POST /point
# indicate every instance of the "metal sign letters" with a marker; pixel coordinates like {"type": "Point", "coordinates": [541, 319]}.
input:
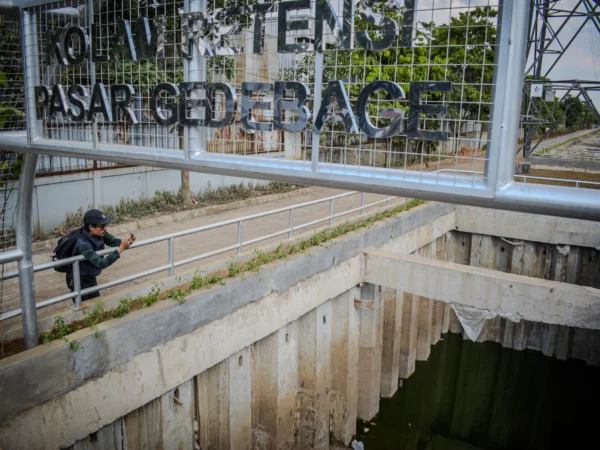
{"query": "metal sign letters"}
{"type": "Point", "coordinates": [170, 104]}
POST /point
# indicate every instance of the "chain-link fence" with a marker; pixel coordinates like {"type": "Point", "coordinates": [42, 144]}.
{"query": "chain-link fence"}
{"type": "Point", "coordinates": [12, 118]}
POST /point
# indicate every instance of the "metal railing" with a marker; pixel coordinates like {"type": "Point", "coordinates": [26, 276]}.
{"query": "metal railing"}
{"type": "Point", "coordinates": [524, 178]}
{"type": "Point", "coordinates": [78, 292]}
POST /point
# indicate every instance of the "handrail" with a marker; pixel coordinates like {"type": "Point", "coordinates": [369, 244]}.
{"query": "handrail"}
{"type": "Point", "coordinates": [577, 183]}
{"type": "Point", "coordinates": [11, 256]}
{"type": "Point", "coordinates": [75, 260]}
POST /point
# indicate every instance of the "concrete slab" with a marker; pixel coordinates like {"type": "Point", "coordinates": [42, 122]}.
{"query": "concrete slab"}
{"type": "Point", "coordinates": [530, 227]}
{"type": "Point", "coordinates": [532, 299]}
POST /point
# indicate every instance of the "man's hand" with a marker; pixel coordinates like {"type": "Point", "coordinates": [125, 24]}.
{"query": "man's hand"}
{"type": "Point", "coordinates": [125, 244]}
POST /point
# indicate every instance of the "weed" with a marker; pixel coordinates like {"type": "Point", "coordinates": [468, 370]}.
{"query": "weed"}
{"type": "Point", "coordinates": [60, 330]}
{"type": "Point", "coordinates": [178, 295]}
{"type": "Point", "coordinates": [214, 278]}
{"type": "Point", "coordinates": [92, 318]}
{"type": "Point", "coordinates": [123, 308]}
{"type": "Point", "coordinates": [152, 297]}
{"type": "Point", "coordinates": [74, 345]}
{"type": "Point", "coordinates": [197, 281]}
{"type": "Point", "coordinates": [234, 269]}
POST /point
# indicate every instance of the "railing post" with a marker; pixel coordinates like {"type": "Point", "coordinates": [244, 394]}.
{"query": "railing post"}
{"type": "Point", "coordinates": [388, 200]}
{"type": "Point", "coordinates": [362, 203]}
{"type": "Point", "coordinates": [77, 284]}
{"type": "Point", "coordinates": [172, 256]}
{"type": "Point", "coordinates": [24, 234]}
{"type": "Point", "coordinates": [331, 213]}
{"type": "Point", "coordinates": [291, 224]}
{"type": "Point", "coordinates": [239, 250]}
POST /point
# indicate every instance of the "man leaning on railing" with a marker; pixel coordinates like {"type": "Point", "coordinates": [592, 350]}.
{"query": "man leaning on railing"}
{"type": "Point", "coordinates": [93, 237]}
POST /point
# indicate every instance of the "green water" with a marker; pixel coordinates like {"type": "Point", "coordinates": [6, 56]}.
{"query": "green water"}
{"type": "Point", "coordinates": [481, 396]}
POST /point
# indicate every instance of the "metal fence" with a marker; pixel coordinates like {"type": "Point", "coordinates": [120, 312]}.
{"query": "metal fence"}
{"type": "Point", "coordinates": [538, 180]}
{"type": "Point", "coordinates": [173, 263]}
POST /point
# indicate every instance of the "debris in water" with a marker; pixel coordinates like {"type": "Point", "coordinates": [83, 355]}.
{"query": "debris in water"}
{"type": "Point", "coordinates": [365, 429]}
{"type": "Point", "coordinates": [358, 445]}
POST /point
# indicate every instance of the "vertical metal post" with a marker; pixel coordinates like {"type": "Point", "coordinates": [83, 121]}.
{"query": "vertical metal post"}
{"type": "Point", "coordinates": [77, 284]}
{"type": "Point", "coordinates": [24, 235]}
{"type": "Point", "coordinates": [507, 97]}
{"type": "Point", "coordinates": [291, 223]}
{"type": "Point", "coordinates": [316, 106]}
{"type": "Point", "coordinates": [92, 71]}
{"type": "Point", "coordinates": [331, 212]}
{"type": "Point", "coordinates": [195, 138]}
{"type": "Point", "coordinates": [362, 203]}
{"type": "Point", "coordinates": [172, 256]}
{"type": "Point", "coordinates": [31, 73]}
{"type": "Point", "coordinates": [388, 200]}
{"type": "Point", "coordinates": [239, 250]}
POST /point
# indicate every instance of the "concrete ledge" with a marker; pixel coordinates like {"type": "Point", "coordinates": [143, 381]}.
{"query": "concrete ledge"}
{"type": "Point", "coordinates": [539, 162]}
{"type": "Point", "coordinates": [46, 372]}
{"type": "Point", "coordinates": [532, 299]}
{"type": "Point", "coordinates": [530, 227]}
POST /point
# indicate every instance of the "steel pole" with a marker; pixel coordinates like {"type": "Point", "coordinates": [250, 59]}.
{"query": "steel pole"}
{"type": "Point", "coordinates": [513, 32]}
{"type": "Point", "coordinates": [24, 236]}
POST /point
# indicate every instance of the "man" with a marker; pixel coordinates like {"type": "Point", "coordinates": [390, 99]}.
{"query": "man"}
{"type": "Point", "coordinates": [92, 239]}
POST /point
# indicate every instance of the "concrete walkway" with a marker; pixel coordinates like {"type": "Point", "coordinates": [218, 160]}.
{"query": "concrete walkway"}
{"type": "Point", "coordinates": [51, 284]}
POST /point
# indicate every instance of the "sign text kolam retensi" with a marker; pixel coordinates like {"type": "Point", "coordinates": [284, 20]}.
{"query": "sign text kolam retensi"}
{"type": "Point", "coordinates": [144, 39]}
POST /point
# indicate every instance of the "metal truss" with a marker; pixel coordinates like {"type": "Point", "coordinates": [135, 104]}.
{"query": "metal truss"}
{"type": "Point", "coordinates": [548, 37]}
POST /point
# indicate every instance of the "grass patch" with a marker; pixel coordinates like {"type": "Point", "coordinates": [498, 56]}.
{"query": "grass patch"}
{"type": "Point", "coordinates": [169, 202]}
{"type": "Point", "coordinates": [201, 281]}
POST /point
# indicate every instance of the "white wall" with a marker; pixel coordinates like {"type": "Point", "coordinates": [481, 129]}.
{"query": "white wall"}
{"type": "Point", "coordinates": [56, 196]}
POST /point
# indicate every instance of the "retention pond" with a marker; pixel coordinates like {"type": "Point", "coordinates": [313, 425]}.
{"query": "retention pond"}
{"type": "Point", "coordinates": [471, 396]}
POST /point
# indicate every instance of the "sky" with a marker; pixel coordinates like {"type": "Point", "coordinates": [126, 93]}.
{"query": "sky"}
{"type": "Point", "coordinates": [578, 62]}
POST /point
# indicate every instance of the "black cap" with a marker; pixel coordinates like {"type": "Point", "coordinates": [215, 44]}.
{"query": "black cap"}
{"type": "Point", "coordinates": [95, 217]}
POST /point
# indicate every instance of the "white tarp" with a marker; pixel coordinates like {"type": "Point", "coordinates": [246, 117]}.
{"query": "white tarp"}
{"type": "Point", "coordinates": [473, 319]}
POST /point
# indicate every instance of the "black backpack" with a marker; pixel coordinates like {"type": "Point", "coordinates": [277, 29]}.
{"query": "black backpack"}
{"type": "Point", "coordinates": [65, 247]}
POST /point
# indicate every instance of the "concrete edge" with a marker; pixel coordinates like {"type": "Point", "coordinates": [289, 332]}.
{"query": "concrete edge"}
{"type": "Point", "coordinates": [25, 380]}
{"type": "Point", "coordinates": [140, 224]}
{"type": "Point", "coordinates": [531, 227]}
{"type": "Point", "coordinates": [546, 162]}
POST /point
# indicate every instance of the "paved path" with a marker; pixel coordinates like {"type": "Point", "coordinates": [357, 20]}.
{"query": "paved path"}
{"type": "Point", "coordinates": [50, 283]}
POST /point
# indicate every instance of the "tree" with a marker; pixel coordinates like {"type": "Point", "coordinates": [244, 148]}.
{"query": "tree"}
{"type": "Point", "coordinates": [461, 52]}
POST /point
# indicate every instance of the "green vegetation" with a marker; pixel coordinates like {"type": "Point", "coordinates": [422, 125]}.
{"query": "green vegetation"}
{"type": "Point", "coordinates": [168, 202]}
{"type": "Point", "coordinates": [123, 308]}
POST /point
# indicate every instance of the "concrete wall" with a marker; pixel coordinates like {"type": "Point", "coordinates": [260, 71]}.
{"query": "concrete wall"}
{"type": "Point", "coordinates": [56, 196]}
{"type": "Point", "coordinates": [284, 358]}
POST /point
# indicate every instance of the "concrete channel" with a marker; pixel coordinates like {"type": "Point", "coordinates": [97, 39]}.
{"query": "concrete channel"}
{"type": "Point", "coordinates": [290, 356]}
